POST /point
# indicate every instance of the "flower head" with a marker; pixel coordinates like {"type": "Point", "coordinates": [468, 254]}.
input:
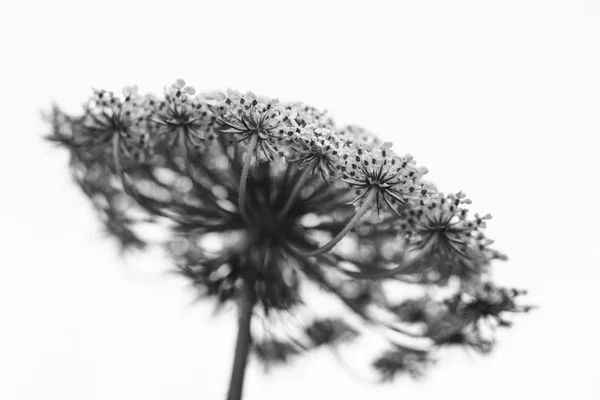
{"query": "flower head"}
{"type": "Point", "coordinates": [310, 116]}
{"type": "Point", "coordinates": [445, 241]}
{"type": "Point", "coordinates": [249, 214]}
{"type": "Point", "coordinates": [402, 360]}
{"type": "Point", "coordinates": [469, 319]}
{"type": "Point", "coordinates": [379, 169]}
{"type": "Point", "coordinates": [247, 115]}
{"type": "Point", "coordinates": [182, 113]}
{"type": "Point", "coordinates": [357, 135]}
{"type": "Point", "coordinates": [442, 226]}
{"type": "Point", "coordinates": [318, 149]}
{"type": "Point", "coordinates": [109, 125]}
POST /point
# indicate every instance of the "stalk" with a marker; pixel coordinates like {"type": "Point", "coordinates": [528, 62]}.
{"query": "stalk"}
{"type": "Point", "coordinates": [244, 178]}
{"type": "Point", "coordinates": [116, 144]}
{"type": "Point", "coordinates": [244, 341]}
{"type": "Point", "coordinates": [115, 153]}
{"type": "Point", "coordinates": [364, 208]}
{"type": "Point", "coordinates": [306, 172]}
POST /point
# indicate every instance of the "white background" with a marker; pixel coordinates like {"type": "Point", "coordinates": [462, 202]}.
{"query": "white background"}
{"type": "Point", "coordinates": [498, 98]}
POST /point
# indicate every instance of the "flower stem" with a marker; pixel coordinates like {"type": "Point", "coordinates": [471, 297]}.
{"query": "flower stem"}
{"type": "Point", "coordinates": [115, 151]}
{"type": "Point", "coordinates": [364, 208]}
{"type": "Point", "coordinates": [185, 153]}
{"type": "Point", "coordinates": [116, 144]}
{"type": "Point", "coordinates": [383, 273]}
{"type": "Point", "coordinates": [296, 190]}
{"type": "Point", "coordinates": [244, 178]}
{"type": "Point", "coordinates": [244, 340]}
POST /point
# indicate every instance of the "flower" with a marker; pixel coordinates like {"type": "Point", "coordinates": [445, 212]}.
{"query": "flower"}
{"type": "Point", "coordinates": [445, 241]}
{"type": "Point", "coordinates": [182, 113]}
{"type": "Point", "coordinates": [109, 113]}
{"type": "Point", "coordinates": [469, 319]}
{"type": "Point", "coordinates": [354, 134]}
{"type": "Point", "coordinates": [442, 226]}
{"type": "Point", "coordinates": [310, 116]}
{"type": "Point", "coordinates": [111, 128]}
{"type": "Point", "coordinates": [246, 214]}
{"type": "Point", "coordinates": [401, 360]}
{"type": "Point", "coordinates": [380, 170]}
{"type": "Point", "coordinates": [317, 149]}
{"type": "Point", "coordinates": [249, 115]}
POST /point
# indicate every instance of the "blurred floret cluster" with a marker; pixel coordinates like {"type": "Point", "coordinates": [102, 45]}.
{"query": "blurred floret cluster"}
{"type": "Point", "coordinates": [274, 196]}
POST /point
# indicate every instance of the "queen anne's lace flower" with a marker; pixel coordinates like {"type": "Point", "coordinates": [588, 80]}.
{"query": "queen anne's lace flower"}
{"type": "Point", "coordinates": [262, 210]}
{"type": "Point", "coordinates": [354, 134]}
{"type": "Point", "coordinates": [111, 122]}
{"type": "Point", "coordinates": [107, 113]}
{"type": "Point", "coordinates": [468, 319]}
{"type": "Point", "coordinates": [379, 169]}
{"type": "Point", "coordinates": [310, 116]}
{"type": "Point", "coordinates": [442, 226]}
{"type": "Point", "coordinates": [182, 113]}
{"type": "Point", "coordinates": [402, 360]}
{"type": "Point", "coordinates": [317, 149]}
{"type": "Point", "coordinates": [247, 115]}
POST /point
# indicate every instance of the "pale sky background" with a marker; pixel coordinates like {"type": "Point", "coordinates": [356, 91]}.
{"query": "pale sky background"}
{"type": "Point", "coordinates": [498, 98]}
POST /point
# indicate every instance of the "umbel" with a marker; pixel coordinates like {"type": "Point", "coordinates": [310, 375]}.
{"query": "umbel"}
{"type": "Point", "coordinates": [264, 198]}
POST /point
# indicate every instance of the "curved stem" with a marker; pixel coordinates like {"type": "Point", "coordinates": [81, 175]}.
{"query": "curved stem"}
{"type": "Point", "coordinates": [236, 155]}
{"type": "Point", "coordinates": [116, 144]}
{"type": "Point", "coordinates": [182, 142]}
{"type": "Point", "coordinates": [185, 153]}
{"type": "Point", "coordinates": [364, 208]}
{"type": "Point", "coordinates": [352, 373]}
{"type": "Point", "coordinates": [244, 341]}
{"type": "Point", "coordinates": [377, 325]}
{"type": "Point", "coordinates": [115, 149]}
{"type": "Point", "coordinates": [296, 190]}
{"type": "Point", "coordinates": [381, 273]}
{"type": "Point", "coordinates": [244, 178]}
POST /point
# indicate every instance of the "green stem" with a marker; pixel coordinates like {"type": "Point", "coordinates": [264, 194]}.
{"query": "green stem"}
{"type": "Point", "coordinates": [296, 190]}
{"type": "Point", "coordinates": [244, 178]}
{"type": "Point", "coordinates": [364, 208]}
{"type": "Point", "coordinates": [244, 341]}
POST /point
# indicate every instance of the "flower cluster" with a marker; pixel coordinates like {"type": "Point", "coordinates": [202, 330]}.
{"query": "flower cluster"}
{"type": "Point", "coordinates": [442, 226]}
{"type": "Point", "coordinates": [446, 239]}
{"type": "Point", "coordinates": [248, 116]}
{"type": "Point", "coordinates": [392, 178]}
{"type": "Point", "coordinates": [263, 196]}
{"type": "Point", "coordinates": [402, 360]}
{"type": "Point", "coordinates": [113, 121]}
{"type": "Point", "coordinates": [465, 318]}
{"type": "Point", "coordinates": [318, 149]}
{"type": "Point", "coordinates": [181, 113]}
